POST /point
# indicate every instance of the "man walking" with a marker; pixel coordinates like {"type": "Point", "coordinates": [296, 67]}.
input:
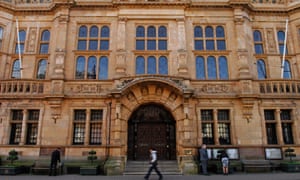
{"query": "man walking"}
{"type": "Point", "coordinates": [153, 162]}
{"type": "Point", "coordinates": [55, 158]}
{"type": "Point", "coordinates": [204, 159]}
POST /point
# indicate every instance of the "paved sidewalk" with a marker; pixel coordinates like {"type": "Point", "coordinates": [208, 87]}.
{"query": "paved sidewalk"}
{"type": "Point", "coordinates": [237, 176]}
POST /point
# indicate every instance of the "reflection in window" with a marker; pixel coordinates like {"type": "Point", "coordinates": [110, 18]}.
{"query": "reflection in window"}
{"type": "Point", "coordinates": [80, 68]}
{"type": "Point", "coordinates": [44, 43]}
{"type": "Point", "coordinates": [287, 74]}
{"type": "Point", "coordinates": [281, 39]}
{"type": "Point", "coordinates": [42, 67]}
{"type": "Point", "coordinates": [258, 43]}
{"type": "Point", "coordinates": [21, 43]}
{"type": "Point", "coordinates": [154, 39]}
{"type": "Point", "coordinates": [16, 73]}
{"type": "Point", "coordinates": [103, 68]}
{"type": "Point", "coordinates": [261, 69]}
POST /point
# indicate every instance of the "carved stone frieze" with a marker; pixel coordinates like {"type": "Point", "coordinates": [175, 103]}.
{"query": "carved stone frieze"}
{"type": "Point", "coordinates": [32, 40]}
{"type": "Point", "coordinates": [214, 88]}
{"type": "Point", "coordinates": [84, 89]}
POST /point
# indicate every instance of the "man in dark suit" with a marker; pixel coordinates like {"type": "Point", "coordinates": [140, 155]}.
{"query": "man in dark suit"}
{"type": "Point", "coordinates": [55, 158]}
{"type": "Point", "coordinates": [204, 159]}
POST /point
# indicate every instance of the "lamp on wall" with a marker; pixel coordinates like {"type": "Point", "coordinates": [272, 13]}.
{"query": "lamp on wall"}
{"type": "Point", "coordinates": [55, 118]}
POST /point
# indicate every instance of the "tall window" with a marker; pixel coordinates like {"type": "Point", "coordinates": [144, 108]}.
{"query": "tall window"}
{"type": "Point", "coordinates": [16, 126]}
{"type": "Point", "coordinates": [32, 126]}
{"type": "Point", "coordinates": [211, 68]}
{"type": "Point", "coordinates": [82, 122]}
{"type": "Point", "coordinates": [153, 65]}
{"type": "Point", "coordinates": [41, 70]}
{"type": "Point", "coordinates": [209, 38]}
{"type": "Point", "coordinates": [285, 123]}
{"type": "Point", "coordinates": [16, 69]}
{"type": "Point", "coordinates": [221, 120]}
{"type": "Point", "coordinates": [1, 37]}
{"type": "Point", "coordinates": [281, 39]}
{"type": "Point", "coordinates": [261, 69]}
{"type": "Point", "coordinates": [21, 42]}
{"type": "Point", "coordinates": [93, 38]}
{"type": "Point", "coordinates": [151, 38]}
{"type": "Point", "coordinates": [258, 43]}
{"type": "Point", "coordinates": [93, 68]}
{"type": "Point", "coordinates": [287, 74]}
{"type": "Point", "coordinates": [44, 42]}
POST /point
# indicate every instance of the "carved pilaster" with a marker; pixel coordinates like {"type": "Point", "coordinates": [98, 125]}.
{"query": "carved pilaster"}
{"type": "Point", "coordinates": [182, 63]}
{"type": "Point", "coordinates": [120, 63]}
{"type": "Point", "coordinates": [248, 104]}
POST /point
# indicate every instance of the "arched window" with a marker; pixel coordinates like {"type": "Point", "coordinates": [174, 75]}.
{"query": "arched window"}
{"type": "Point", "coordinates": [198, 35]}
{"type": "Point", "coordinates": [151, 34]}
{"type": "Point", "coordinates": [281, 39]}
{"type": "Point", "coordinates": [200, 67]}
{"type": "Point", "coordinates": [1, 36]}
{"type": "Point", "coordinates": [287, 74]}
{"type": "Point", "coordinates": [220, 38]}
{"type": "Point", "coordinates": [44, 43]}
{"type": "Point", "coordinates": [82, 38]}
{"type": "Point", "coordinates": [41, 70]}
{"type": "Point", "coordinates": [140, 65]}
{"type": "Point", "coordinates": [258, 43]}
{"type": "Point", "coordinates": [104, 42]}
{"type": "Point", "coordinates": [91, 69]}
{"type": "Point", "coordinates": [261, 69]}
{"type": "Point", "coordinates": [80, 68]}
{"type": "Point", "coordinates": [162, 35]}
{"type": "Point", "coordinates": [16, 73]}
{"type": "Point", "coordinates": [21, 43]}
{"type": "Point", "coordinates": [163, 65]}
{"type": "Point", "coordinates": [209, 34]}
{"type": "Point", "coordinates": [223, 67]}
{"type": "Point", "coordinates": [151, 65]}
{"type": "Point", "coordinates": [211, 67]}
{"type": "Point", "coordinates": [93, 42]}
{"type": "Point", "coordinates": [140, 35]}
{"type": "Point", "coordinates": [103, 68]}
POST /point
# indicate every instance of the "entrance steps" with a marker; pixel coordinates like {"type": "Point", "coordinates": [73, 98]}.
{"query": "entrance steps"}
{"type": "Point", "coordinates": [141, 168]}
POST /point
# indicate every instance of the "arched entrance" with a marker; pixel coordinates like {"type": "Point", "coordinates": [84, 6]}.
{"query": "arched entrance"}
{"type": "Point", "coordinates": [151, 125]}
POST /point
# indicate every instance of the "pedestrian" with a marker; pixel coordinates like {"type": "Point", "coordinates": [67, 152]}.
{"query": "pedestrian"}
{"type": "Point", "coordinates": [225, 162]}
{"type": "Point", "coordinates": [55, 158]}
{"type": "Point", "coordinates": [153, 162]}
{"type": "Point", "coordinates": [204, 159]}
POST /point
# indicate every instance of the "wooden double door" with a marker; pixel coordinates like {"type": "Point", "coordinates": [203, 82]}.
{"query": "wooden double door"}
{"type": "Point", "coordinates": [151, 126]}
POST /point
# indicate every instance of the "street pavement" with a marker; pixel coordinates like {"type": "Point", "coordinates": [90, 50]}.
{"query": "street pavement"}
{"type": "Point", "coordinates": [236, 176]}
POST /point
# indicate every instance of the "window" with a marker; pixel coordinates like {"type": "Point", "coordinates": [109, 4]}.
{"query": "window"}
{"type": "Point", "coordinates": [211, 67]}
{"type": "Point", "coordinates": [153, 65]}
{"type": "Point", "coordinates": [281, 40]}
{"type": "Point", "coordinates": [287, 74]}
{"type": "Point", "coordinates": [82, 122]}
{"type": "Point", "coordinates": [31, 127]}
{"type": "Point", "coordinates": [42, 68]}
{"type": "Point", "coordinates": [1, 36]}
{"type": "Point", "coordinates": [258, 43]}
{"type": "Point", "coordinates": [91, 69]}
{"type": "Point", "coordinates": [89, 39]}
{"type": "Point", "coordinates": [151, 38]}
{"type": "Point", "coordinates": [261, 69]}
{"type": "Point", "coordinates": [212, 39]}
{"type": "Point", "coordinates": [222, 123]}
{"type": "Point", "coordinates": [284, 124]}
{"type": "Point", "coordinates": [44, 43]}
{"type": "Point", "coordinates": [20, 43]}
{"type": "Point", "coordinates": [16, 69]}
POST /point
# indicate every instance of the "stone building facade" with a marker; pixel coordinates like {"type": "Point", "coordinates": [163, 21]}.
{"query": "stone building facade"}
{"type": "Point", "coordinates": [122, 76]}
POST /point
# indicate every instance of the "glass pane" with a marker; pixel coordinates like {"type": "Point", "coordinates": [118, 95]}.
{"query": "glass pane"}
{"type": "Point", "coordinates": [93, 44]}
{"type": "Point", "coordinates": [209, 32]}
{"type": "Point", "coordinates": [81, 45]}
{"type": "Point", "coordinates": [140, 31]}
{"type": "Point", "coordinates": [221, 45]}
{"type": "Point", "coordinates": [104, 45]}
{"type": "Point", "coordinates": [257, 36]}
{"type": "Point", "coordinates": [198, 32]}
{"type": "Point", "coordinates": [105, 32]}
{"type": "Point", "coordinates": [220, 32]}
{"type": "Point", "coordinates": [287, 133]}
{"type": "Point", "coordinates": [22, 35]}
{"type": "Point", "coordinates": [140, 45]}
{"type": "Point", "coordinates": [80, 66]}
{"type": "Point", "coordinates": [32, 131]}
{"type": "Point", "coordinates": [200, 68]}
{"type": "Point", "coordinates": [162, 31]}
{"type": "Point", "coordinates": [258, 49]}
{"type": "Point", "coordinates": [207, 115]}
{"type": "Point", "coordinates": [223, 68]}
{"type": "Point", "coordinates": [163, 65]}
{"type": "Point", "coordinates": [21, 48]}
{"type": "Point", "coordinates": [80, 115]}
{"type": "Point", "coordinates": [281, 36]}
{"type": "Point", "coordinates": [151, 68]}
{"type": "Point", "coordinates": [199, 45]}
{"type": "Point", "coordinates": [285, 114]}
{"type": "Point", "coordinates": [42, 67]}
{"type": "Point", "coordinates": [45, 35]}
{"type": "Point", "coordinates": [79, 130]}
{"type": "Point", "coordinates": [271, 133]}
{"type": "Point", "coordinates": [211, 68]}
{"type": "Point", "coordinates": [96, 115]}
{"type": "Point", "coordinates": [16, 73]}
{"type": "Point", "coordinates": [151, 32]}
{"type": "Point", "coordinates": [287, 70]}
{"type": "Point", "coordinates": [15, 134]}
{"type": "Point", "coordinates": [210, 45]}
{"type": "Point", "coordinates": [44, 48]}
{"type": "Point", "coordinates": [94, 31]}
{"type": "Point", "coordinates": [261, 69]}
{"type": "Point", "coordinates": [269, 114]}
{"type": "Point", "coordinates": [140, 65]}
{"type": "Point", "coordinates": [82, 31]}
{"type": "Point", "coordinates": [91, 73]}
{"type": "Point", "coordinates": [162, 45]}
{"type": "Point", "coordinates": [224, 133]}
{"type": "Point", "coordinates": [151, 45]}
{"type": "Point", "coordinates": [103, 69]}
{"type": "Point", "coordinates": [207, 133]}
{"type": "Point", "coordinates": [95, 133]}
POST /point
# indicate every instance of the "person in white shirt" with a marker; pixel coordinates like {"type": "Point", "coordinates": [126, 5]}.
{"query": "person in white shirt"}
{"type": "Point", "coordinates": [153, 162]}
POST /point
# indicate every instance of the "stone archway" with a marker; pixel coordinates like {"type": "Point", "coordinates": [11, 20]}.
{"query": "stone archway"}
{"type": "Point", "coordinates": [151, 125]}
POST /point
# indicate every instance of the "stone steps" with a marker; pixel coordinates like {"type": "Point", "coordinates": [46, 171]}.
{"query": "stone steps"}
{"type": "Point", "coordinates": [141, 168]}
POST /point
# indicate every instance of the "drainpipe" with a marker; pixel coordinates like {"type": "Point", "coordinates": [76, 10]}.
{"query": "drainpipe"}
{"type": "Point", "coordinates": [108, 133]}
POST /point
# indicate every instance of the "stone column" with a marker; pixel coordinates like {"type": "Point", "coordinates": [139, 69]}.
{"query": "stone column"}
{"type": "Point", "coordinates": [215, 130]}
{"type": "Point", "coordinates": [87, 127]}
{"type": "Point", "coordinates": [121, 48]}
{"type": "Point", "coordinates": [24, 128]}
{"type": "Point", "coordinates": [279, 127]}
{"type": "Point", "coordinates": [182, 53]}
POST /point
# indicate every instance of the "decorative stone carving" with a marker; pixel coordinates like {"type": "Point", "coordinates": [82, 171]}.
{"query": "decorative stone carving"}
{"type": "Point", "coordinates": [144, 91]}
{"type": "Point", "coordinates": [271, 41]}
{"type": "Point", "coordinates": [32, 40]}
